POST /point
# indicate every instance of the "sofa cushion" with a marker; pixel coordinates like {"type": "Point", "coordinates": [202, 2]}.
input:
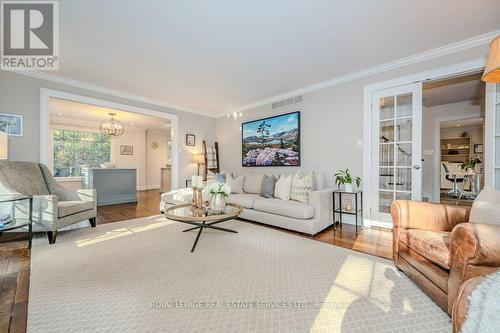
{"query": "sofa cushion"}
{"type": "Point", "coordinates": [433, 245]}
{"type": "Point", "coordinates": [244, 200]}
{"type": "Point", "coordinates": [283, 187]}
{"type": "Point", "coordinates": [302, 185]}
{"type": "Point", "coordinates": [267, 186]}
{"type": "Point", "coordinates": [236, 183]}
{"type": "Point", "coordinates": [65, 208]}
{"type": "Point", "coordinates": [252, 183]}
{"type": "Point", "coordinates": [23, 177]}
{"type": "Point", "coordinates": [295, 209]}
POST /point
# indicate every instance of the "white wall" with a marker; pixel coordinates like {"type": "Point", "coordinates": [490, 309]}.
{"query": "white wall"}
{"type": "Point", "coordinates": [20, 94]}
{"type": "Point", "coordinates": [331, 124]}
{"type": "Point", "coordinates": [155, 158]}
{"type": "Point", "coordinates": [137, 139]}
{"type": "Point", "coordinates": [431, 117]}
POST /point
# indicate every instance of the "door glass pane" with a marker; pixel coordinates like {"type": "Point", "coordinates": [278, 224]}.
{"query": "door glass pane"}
{"type": "Point", "coordinates": [403, 129]}
{"type": "Point", "coordinates": [497, 179]}
{"type": "Point", "coordinates": [497, 151]}
{"type": "Point", "coordinates": [387, 131]}
{"type": "Point", "coordinates": [498, 93]}
{"type": "Point", "coordinates": [386, 107]}
{"type": "Point", "coordinates": [403, 179]}
{"type": "Point", "coordinates": [386, 155]}
{"type": "Point", "coordinates": [386, 178]}
{"type": "Point", "coordinates": [403, 196]}
{"type": "Point", "coordinates": [404, 105]}
{"type": "Point", "coordinates": [385, 201]}
{"type": "Point", "coordinates": [403, 151]}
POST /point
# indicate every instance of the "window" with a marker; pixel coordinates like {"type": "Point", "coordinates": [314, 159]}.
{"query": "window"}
{"type": "Point", "coordinates": [75, 150]}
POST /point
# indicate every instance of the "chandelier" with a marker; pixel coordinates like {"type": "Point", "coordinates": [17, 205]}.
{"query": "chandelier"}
{"type": "Point", "coordinates": [111, 127]}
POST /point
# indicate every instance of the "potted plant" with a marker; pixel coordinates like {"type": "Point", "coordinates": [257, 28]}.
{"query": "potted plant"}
{"type": "Point", "coordinates": [344, 178]}
{"type": "Point", "coordinates": [219, 192]}
{"type": "Point", "coordinates": [470, 165]}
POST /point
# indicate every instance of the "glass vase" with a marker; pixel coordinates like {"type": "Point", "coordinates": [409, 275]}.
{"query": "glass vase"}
{"type": "Point", "coordinates": [217, 203]}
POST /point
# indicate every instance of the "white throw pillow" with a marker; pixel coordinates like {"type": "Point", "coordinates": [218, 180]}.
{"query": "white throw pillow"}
{"type": "Point", "coordinates": [283, 187]}
{"type": "Point", "coordinates": [252, 183]}
{"type": "Point", "coordinates": [486, 207]}
{"type": "Point", "coordinates": [302, 185]}
{"type": "Point", "coordinates": [236, 183]}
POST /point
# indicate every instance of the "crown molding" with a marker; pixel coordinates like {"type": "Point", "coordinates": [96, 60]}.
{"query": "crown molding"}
{"type": "Point", "coordinates": [110, 92]}
{"type": "Point", "coordinates": [419, 57]}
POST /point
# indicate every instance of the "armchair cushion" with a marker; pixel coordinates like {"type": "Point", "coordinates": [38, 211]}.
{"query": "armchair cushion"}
{"type": "Point", "coordinates": [65, 208]}
{"type": "Point", "coordinates": [24, 177]}
{"type": "Point", "coordinates": [433, 245]}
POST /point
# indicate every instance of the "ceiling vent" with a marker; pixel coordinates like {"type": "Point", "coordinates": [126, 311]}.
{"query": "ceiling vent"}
{"type": "Point", "coordinates": [286, 102]}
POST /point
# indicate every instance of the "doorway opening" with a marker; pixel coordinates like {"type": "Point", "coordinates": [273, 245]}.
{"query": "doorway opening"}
{"type": "Point", "coordinates": [453, 121]}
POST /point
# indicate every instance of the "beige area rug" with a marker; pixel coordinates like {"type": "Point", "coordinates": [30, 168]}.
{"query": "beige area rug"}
{"type": "Point", "coordinates": [140, 276]}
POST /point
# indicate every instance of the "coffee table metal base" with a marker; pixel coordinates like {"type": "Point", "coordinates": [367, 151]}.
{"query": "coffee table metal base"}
{"type": "Point", "coordinates": [204, 225]}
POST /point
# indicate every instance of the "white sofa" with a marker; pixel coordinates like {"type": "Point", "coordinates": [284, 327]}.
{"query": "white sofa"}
{"type": "Point", "coordinates": [309, 218]}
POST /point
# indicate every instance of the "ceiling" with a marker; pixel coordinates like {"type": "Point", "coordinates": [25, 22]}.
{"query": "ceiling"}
{"type": "Point", "coordinates": [68, 112]}
{"type": "Point", "coordinates": [473, 122]}
{"type": "Point", "coordinates": [453, 90]}
{"type": "Point", "coordinates": [215, 56]}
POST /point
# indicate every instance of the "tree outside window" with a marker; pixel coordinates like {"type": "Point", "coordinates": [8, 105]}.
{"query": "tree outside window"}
{"type": "Point", "coordinates": [75, 150]}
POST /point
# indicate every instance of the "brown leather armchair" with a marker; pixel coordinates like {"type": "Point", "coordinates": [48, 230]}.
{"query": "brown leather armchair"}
{"type": "Point", "coordinates": [438, 249]}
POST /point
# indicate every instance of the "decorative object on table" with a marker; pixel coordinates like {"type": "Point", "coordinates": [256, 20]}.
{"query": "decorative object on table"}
{"type": "Point", "coordinates": [344, 178]}
{"type": "Point", "coordinates": [199, 160]}
{"type": "Point", "coordinates": [272, 141]}
{"type": "Point", "coordinates": [111, 127]}
{"type": "Point", "coordinates": [126, 150]}
{"type": "Point", "coordinates": [155, 145]}
{"type": "Point", "coordinates": [211, 155]}
{"type": "Point", "coordinates": [197, 187]}
{"type": "Point", "coordinates": [358, 207]}
{"type": "Point", "coordinates": [492, 69]}
{"type": "Point", "coordinates": [12, 124]}
{"type": "Point", "coordinates": [190, 140]}
{"type": "Point", "coordinates": [470, 164]}
{"type": "Point", "coordinates": [219, 192]}
{"type": "Point", "coordinates": [478, 148]}
{"type": "Point", "coordinates": [4, 146]}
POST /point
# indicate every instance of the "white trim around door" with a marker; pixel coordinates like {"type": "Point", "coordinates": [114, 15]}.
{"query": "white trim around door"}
{"type": "Point", "coordinates": [434, 74]}
{"type": "Point", "coordinates": [46, 94]}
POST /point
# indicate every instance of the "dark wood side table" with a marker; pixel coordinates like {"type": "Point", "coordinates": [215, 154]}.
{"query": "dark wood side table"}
{"type": "Point", "coordinates": [18, 223]}
{"type": "Point", "coordinates": [356, 209]}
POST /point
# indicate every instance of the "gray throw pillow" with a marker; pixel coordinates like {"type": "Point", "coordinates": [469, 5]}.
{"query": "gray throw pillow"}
{"type": "Point", "coordinates": [267, 186]}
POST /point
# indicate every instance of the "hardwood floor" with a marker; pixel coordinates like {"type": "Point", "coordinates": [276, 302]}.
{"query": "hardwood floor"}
{"type": "Point", "coordinates": [15, 257]}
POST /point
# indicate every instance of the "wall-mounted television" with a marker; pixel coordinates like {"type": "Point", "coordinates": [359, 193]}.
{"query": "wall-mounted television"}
{"type": "Point", "coordinates": [272, 141]}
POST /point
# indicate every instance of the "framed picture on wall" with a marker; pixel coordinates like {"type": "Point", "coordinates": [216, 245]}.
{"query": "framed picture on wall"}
{"type": "Point", "coordinates": [190, 140]}
{"type": "Point", "coordinates": [12, 124]}
{"type": "Point", "coordinates": [126, 150]}
{"type": "Point", "coordinates": [478, 148]}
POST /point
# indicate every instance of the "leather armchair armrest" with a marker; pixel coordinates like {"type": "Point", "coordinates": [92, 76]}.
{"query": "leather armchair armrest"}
{"type": "Point", "coordinates": [408, 214]}
{"type": "Point", "coordinates": [475, 251]}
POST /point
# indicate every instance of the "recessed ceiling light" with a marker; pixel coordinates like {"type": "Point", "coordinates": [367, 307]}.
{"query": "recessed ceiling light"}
{"type": "Point", "coordinates": [131, 124]}
{"type": "Point", "coordinates": [60, 114]}
{"type": "Point", "coordinates": [458, 125]}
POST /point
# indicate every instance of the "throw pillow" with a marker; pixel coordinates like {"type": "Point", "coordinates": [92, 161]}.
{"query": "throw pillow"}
{"type": "Point", "coordinates": [236, 183]}
{"type": "Point", "coordinates": [486, 207]}
{"type": "Point", "coordinates": [213, 177]}
{"type": "Point", "coordinates": [252, 183]}
{"type": "Point", "coordinates": [267, 186]}
{"type": "Point", "coordinates": [283, 187]}
{"type": "Point", "coordinates": [302, 185]}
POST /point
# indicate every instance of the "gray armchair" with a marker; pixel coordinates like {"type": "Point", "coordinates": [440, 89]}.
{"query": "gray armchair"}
{"type": "Point", "coordinates": [54, 207]}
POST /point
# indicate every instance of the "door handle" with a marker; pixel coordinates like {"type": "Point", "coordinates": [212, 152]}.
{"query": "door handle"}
{"type": "Point", "coordinates": [416, 167]}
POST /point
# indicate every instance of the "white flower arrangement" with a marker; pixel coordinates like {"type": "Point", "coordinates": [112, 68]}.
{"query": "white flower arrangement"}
{"type": "Point", "coordinates": [219, 188]}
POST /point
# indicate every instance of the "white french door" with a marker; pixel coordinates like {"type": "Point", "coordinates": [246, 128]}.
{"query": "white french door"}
{"type": "Point", "coordinates": [492, 136]}
{"type": "Point", "coordinates": [396, 149]}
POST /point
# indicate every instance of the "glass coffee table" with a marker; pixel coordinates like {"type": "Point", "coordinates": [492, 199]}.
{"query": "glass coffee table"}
{"type": "Point", "coordinates": [11, 221]}
{"type": "Point", "coordinates": [202, 218]}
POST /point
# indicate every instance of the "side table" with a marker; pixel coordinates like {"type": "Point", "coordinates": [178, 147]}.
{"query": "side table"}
{"type": "Point", "coordinates": [18, 223]}
{"type": "Point", "coordinates": [356, 209]}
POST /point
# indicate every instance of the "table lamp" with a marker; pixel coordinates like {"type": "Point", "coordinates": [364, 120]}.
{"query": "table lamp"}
{"type": "Point", "coordinates": [199, 159]}
{"type": "Point", "coordinates": [4, 146]}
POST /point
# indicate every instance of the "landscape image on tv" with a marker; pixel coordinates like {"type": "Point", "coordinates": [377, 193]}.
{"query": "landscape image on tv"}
{"type": "Point", "coordinates": [273, 141]}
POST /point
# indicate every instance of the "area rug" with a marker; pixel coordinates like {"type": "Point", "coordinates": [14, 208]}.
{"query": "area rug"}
{"type": "Point", "coordinates": [140, 276]}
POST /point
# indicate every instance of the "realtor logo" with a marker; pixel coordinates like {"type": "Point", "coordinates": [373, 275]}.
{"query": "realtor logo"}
{"type": "Point", "coordinates": [29, 35]}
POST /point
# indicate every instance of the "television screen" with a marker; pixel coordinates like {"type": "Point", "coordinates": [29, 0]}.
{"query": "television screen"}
{"type": "Point", "coordinates": [273, 141]}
